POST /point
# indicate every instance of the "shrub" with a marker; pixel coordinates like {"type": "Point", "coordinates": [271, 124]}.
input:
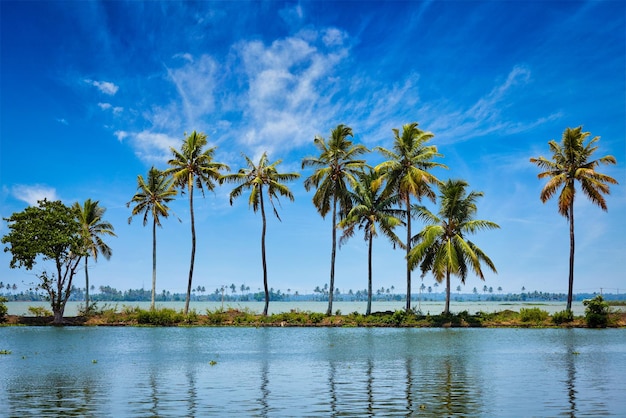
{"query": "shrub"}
{"type": "Point", "coordinates": [163, 316]}
{"type": "Point", "coordinates": [562, 317]}
{"type": "Point", "coordinates": [3, 308]}
{"type": "Point", "coordinates": [596, 312]}
{"type": "Point", "coordinates": [316, 317]}
{"type": "Point", "coordinates": [533, 315]}
{"type": "Point", "coordinates": [39, 311]}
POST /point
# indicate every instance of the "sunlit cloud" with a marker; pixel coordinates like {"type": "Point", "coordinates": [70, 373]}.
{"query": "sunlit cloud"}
{"type": "Point", "coordinates": [153, 147]}
{"type": "Point", "coordinates": [31, 194]}
{"type": "Point", "coordinates": [105, 87]}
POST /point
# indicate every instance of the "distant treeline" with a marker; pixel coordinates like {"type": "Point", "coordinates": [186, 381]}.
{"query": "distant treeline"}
{"type": "Point", "coordinates": [110, 294]}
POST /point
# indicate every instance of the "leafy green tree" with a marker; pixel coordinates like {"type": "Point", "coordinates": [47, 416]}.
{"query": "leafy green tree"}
{"type": "Point", "coordinates": [441, 247]}
{"type": "Point", "coordinates": [90, 216]}
{"type": "Point", "coordinates": [370, 208]}
{"type": "Point", "coordinates": [152, 198]}
{"type": "Point", "coordinates": [255, 178]}
{"type": "Point", "coordinates": [406, 173]}
{"type": "Point", "coordinates": [336, 169]}
{"type": "Point", "coordinates": [571, 162]}
{"type": "Point", "coordinates": [48, 232]}
{"type": "Point", "coordinates": [192, 167]}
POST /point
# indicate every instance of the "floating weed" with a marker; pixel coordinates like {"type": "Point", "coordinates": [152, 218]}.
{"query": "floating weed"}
{"type": "Point", "coordinates": [94, 361]}
{"type": "Point", "coordinates": [5, 351]}
{"type": "Point", "coordinates": [212, 362]}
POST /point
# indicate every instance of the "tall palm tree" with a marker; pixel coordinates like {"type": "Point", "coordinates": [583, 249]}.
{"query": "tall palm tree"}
{"type": "Point", "coordinates": [90, 216]}
{"type": "Point", "coordinates": [441, 247]}
{"type": "Point", "coordinates": [336, 168]}
{"type": "Point", "coordinates": [406, 173]}
{"type": "Point", "coordinates": [152, 198]}
{"type": "Point", "coordinates": [191, 167]}
{"type": "Point", "coordinates": [255, 178]}
{"type": "Point", "coordinates": [571, 163]}
{"type": "Point", "coordinates": [370, 208]}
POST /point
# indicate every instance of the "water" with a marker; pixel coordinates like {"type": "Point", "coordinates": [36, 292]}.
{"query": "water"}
{"type": "Point", "coordinates": [71, 309]}
{"type": "Point", "coordinates": [275, 372]}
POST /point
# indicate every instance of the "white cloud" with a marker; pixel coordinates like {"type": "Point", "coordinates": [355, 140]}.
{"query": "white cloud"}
{"type": "Point", "coordinates": [485, 116]}
{"type": "Point", "coordinates": [62, 121]}
{"type": "Point", "coordinates": [120, 135]}
{"type": "Point", "coordinates": [31, 194]}
{"type": "Point", "coordinates": [284, 107]}
{"type": "Point", "coordinates": [105, 87]}
{"type": "Point", "coordinates": [153, 147]}
{"type": "Point", "coordinates": [117, 110]}
{"type": "Point", "coordinates": [195, 83]}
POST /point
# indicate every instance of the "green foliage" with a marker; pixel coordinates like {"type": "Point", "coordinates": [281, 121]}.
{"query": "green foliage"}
{"type": "Point", "coordinates": [216, 317]}
{"type": "Point", "coordinates": [562, 317]}
{"type": "Point", "coordinates": [3, 308]}
{"type": "Point", "coordinates": [535, 315]}
{"type": "Point", "coordinates": [316, 317]}
{"type": "Point", "coordinates": [161, 317]}
{"type": "Point", "coordinates": [49, 231]}
{"type": "Point", "coordinates": [39, 311]}
{"type": "Point", "coordinates": [596, 312]}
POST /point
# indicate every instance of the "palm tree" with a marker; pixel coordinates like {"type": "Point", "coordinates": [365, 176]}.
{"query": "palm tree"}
{"type": "Point", "coordinates": [441, 247]}
{"type": "Point", "coordinates": [571, 163]}
{"type": "Point", "coordinates": [371, 208]}
{"type": "Point", "coordinates": [151, 198]}
{"type": "Point", "coordinates": [192, 167]}
{"type": "Point", "coordinates": [336, 168]}
{"type": "Point", "coordinates": [406, 173]}
{"type": "Point", "coordinates": [255, 178]}
{"type": "Point", "coordinates": [93, 228]}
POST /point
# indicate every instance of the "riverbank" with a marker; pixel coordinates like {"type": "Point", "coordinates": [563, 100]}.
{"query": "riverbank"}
{"type": "Point", "coordinates": [134, 316]}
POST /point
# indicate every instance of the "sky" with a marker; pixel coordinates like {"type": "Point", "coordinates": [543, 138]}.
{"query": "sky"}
{"type": "Point", "coordinates": [94, 93]}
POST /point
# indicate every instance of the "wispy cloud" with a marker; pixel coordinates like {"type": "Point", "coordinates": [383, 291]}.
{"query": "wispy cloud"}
{"type": "Point", "coordinates": [31, 194]}
{"type": "Point", "coordinates": [62, 121]}
{"type": "Point", "coordinates": [117, 110]}
{"type": "Point", "coordinates": [151, 147]}
{"type": "Point", "coordinates": [105, 87]}
{"type": "Point", "coordinates": [290, 88]}
{"type": "Point", "coordinates": [486, 115]}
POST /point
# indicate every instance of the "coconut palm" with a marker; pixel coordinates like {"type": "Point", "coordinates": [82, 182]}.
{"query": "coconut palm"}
{"type": "Point", "coordinates": [441, 247]}
{"type": "Point", "coordinates": [93, 228]}
{"type": "Point", "coordinates": [255, 178]}
{"type": "Point", "coordinates": [370, 208]}
{"type": "Point", "coordinates": [191, 167]}
{"type": "Point", "coordinates": [336, 168]}
{"type": "Point", "coordinates": [571, 163]}
{"type": "Point", "coordinates": [406, 173]}
{"type": "Point", "coordinates": [152, 198]}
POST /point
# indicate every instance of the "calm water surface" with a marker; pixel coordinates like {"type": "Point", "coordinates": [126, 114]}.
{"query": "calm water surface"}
{"type": "Point", "coordinates": [168, 372]}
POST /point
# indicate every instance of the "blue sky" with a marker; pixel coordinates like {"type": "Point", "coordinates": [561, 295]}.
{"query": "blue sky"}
{"type": "Point", "coordinates": [94, 93]}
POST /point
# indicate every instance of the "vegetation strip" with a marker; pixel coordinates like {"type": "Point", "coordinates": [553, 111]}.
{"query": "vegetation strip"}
{"type": "Point", "coordinates": [598, 315]}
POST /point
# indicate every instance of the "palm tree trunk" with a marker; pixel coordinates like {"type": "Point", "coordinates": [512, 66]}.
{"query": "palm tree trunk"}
{"type": "Point", "coordinates": [447, 309]}
{"type": "Point", "coordinates": [570, 291]}
{"type": "Point", "coordinates": [153, 263]}
{"type": "Point", "coordinates": [267, 293]}
{"type": "Point", "coordinates": [369, 276]}
{"type": "Point", "coordinates": [329, 311]}
{"type": "Point", "coordinates": [86, 287]}
{"type": "Point", "coordinates": [193, 248]}
{"type": "Point", "coordinates": [408, 250]}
